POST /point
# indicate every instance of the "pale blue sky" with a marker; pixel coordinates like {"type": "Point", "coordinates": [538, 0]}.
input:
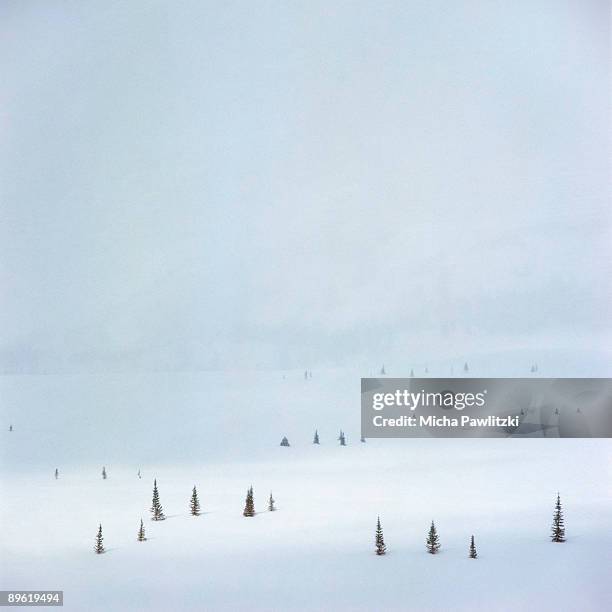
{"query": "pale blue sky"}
{"type": "Point", "coordinates": [203, 184]}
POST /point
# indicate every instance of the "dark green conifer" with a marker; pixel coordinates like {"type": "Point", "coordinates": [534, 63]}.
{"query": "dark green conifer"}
{"type": "Point", "coordinates": [249, 507]}
{"type": "Point", "coordinates": [156, 507]}
{"type": "Point", "coordinates": [558, 526]}
{"type": "Point", "coordinates": [194, 503]}
{"type": "Point", "coordinates": [472, 553]}
{"type": "Point", "coordinates": [99, 546]}
{"type": "Point", "coordinates": [433, 541]}
{"type": "Point", "coordinates": [381, 549]}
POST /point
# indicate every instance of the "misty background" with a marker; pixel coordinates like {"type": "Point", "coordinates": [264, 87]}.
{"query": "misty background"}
{"type": "Point", "coordinates": [207, 185]}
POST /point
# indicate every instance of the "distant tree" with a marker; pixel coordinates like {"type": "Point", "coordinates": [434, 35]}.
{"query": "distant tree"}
{"type": "Point", "coordinates": [381, 549]}
{"type": "Point", "coordinates": [104, 473]}
{"type": "Point", "coordinates": [558, 526]}
{"type": "Point", "coordinates": [472, 554]}
{"type": "Point", "coordinates": [383, 372]}
{"type": "Point", "coordinates": [465, 367]}
{"type": "Point", "coordinates": [522, 412]}
{"type": "Point", "coordinates": [249, 506]}
{"type": "Point", "coordinates": [10, 428]}
{"type": "Point", "coordinates": [285, 442]}
{"type": "Point", "coordinates": [271, 506]}
{"type": "Point", "coordinates": [99, 546]}
{"type": "Point", "coordinates": [315, 440]}
{"type": "Point", "coordinates": [433, 541]}
{"type": "Point", "coordinates": [342, 438]}
{"type": "Point", "coordinates": [305, 374]}
{"type": "Point", "coordinates": [56, 473]}
{"type": "Point", "coordinates": [141, 532]}
{"type": "Point", "coordinates": [411, 373]}
{"type": "Point", "coordinates": [194, 503]}
{"type": "Point", "coordinates": [139, 476]}
{"type": "Point", "coordinates": [556, 411]}
{"type": "Point", "coordinates": [532, 369]}
{"type": "Point", "coordinates": [426, 370]}
{"type": "Point", "coordinates": [156, 507]}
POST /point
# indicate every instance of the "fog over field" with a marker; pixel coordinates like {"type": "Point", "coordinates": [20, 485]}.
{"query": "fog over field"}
{"type": "Point", "coordinates": [285, 185]}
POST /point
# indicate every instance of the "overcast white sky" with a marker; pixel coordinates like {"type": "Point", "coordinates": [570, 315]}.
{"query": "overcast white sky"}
{"type": "Point", "coordinates": [204, 184]}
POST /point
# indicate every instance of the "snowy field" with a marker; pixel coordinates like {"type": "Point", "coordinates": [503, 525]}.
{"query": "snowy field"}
{"type": "Point", "coordinates": [221, 433]}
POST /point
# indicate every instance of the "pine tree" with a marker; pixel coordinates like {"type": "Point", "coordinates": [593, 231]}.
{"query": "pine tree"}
{"type": "Point", "coordinates": [411, 373]}
{"type": "Point", "coordinates": [141, 532]}
{"type": "Point", "coordinates": [194, 504]}
{"type": "Point", "coordinates": [433, 541]}
{"type": "Point", "coordinates": [342, 438]}
{"type": "Point", "coordinates": [249, 507]}
{"type": "Point", "coordinates": [56, 473]}
{"type": "Point", "coordinates": [103, 472]}
{"type": "Point", "coordinates": [383, 372]}
{"type": "Point", "coordinates": [284, 441]}
{"type": "Point", "coordinates": [139, 475]}
{"type": "Point", "coordinates": [99, 547]}
{"type": "Point", "coordinates": [10, 428]}
{"type": "Point", "coordinates": [465, 367]}
{"type": "Point", "coordinates": [558, 527]}
{"type": "Point", "coordinates": [156, 507]}
{"type": "Point", "coordinates": [381, 549]}
{"type": "Point", "coordinates": [315, 440]}
{"type": "Point", "coordinates": [472, 553]}
{"type": "Point", "coordinates": [271, 506]}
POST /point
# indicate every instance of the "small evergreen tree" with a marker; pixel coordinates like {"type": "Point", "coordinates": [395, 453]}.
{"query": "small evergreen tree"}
{"type": "Point", "coordinates": [284, 441]}
{"type": "Point", "coordinates": [411, 373]}
{"type": "Point", "coordinates": [99, 546]}
{"type": "Point", "coordinates": [139, 475]}
{"type": "Point", "coordinates": [10, 428]}
{"type": "Point", "coordinates": [381, 549]}
{"type": "Point", "coordinates": [249, 506]}
{"type": "Point", "coordinates": [383, 372]}
{"type": "Point", "coordinates": [103, 472]}
{"type": "Point", "coordinates": [141, 532]}
{"type": "Point", "coordinates": [342, 438]}
{"type": "Point", "coordinates": [465, 367]}
{"type": "Point", "coordinates": [194, 503]}
{"type": "Point", "coordinates": [156, 507]}
{"type": "Point", "coordinates": [472, 553]}
{"type": "Point", "coordinates": [558, 526]}
{"type": "Point", "coordinates": [56, 473]}
{"type": "Point", "coordinates": [271, 506]}
{"type": "Point", "coordinates": [315, 440]}
{"type": "Point", "coordinates": [433, 541]}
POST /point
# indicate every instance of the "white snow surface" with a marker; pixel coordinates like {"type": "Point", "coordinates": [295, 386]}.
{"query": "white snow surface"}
{"type": "Point", "coordinates": [221, 432]}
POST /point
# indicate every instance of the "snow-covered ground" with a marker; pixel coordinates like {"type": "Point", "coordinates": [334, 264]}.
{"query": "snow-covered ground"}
{"type": "Point", "coordinates": [221, 432]}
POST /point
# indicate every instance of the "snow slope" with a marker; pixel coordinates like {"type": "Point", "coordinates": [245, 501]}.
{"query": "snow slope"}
{"type": "Point", "coordinates": [316, 551]}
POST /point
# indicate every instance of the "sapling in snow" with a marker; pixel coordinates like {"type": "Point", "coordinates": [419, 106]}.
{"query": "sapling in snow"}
{"type": "Point", "coordinates": [99, 546]}
{"type": "Point", "coordinates": [472, 554]}
{"type": "Point", "coordinates": [433, 540]}
{"type": "Point", "coordinates": [194, 503]}
{"type": "Point", "coordinates": [249, 506]}
{"type": "Point", "coordinates": [141, 532]}
{"type": "Point", "coordinates": [558, 526]}
{"type": "Point", "coordinates": [381, 549]}
{"type": "Point", "coordinates": [156, 507]}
